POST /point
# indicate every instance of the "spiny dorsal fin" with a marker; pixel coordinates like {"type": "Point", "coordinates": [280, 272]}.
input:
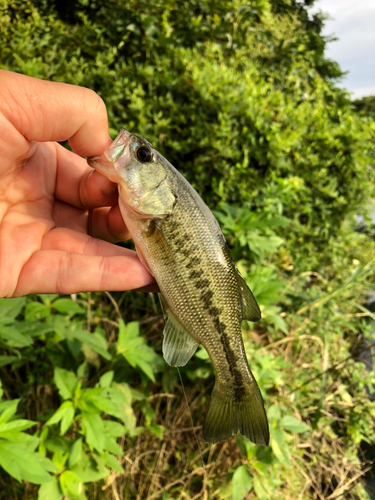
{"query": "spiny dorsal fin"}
{"type": "Point", "coordinates": [178, 345]}
{"type": "Point", "coordinates": [250, 308]}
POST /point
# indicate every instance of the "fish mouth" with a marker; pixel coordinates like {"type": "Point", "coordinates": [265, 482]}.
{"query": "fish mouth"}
{"type": "Point", "coordinates": [114, 159]}
{"type": "Point", "coordinates": [118, 146]}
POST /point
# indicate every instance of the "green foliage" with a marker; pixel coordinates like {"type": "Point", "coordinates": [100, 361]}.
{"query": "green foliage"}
{"type": "Point", "coordinates": [252, 230]}
{"type": "Point", "coordinates": [91, 454]}
{"type": "Point", "coordinates": [231, 94]}
{"type": "Point", "coordinates": [242, 483]}
{"type": "Point", "coordinates": [365, 106]}
{"type": "Point", "coordinates": [239, 97]}
{"type": "Point", "coordinates": [133, 348]}
{"type": "Point", "coordinates": [17, 449]}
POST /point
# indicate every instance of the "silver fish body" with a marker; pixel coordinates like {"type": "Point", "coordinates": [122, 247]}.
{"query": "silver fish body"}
{"type": "Point", "coordinates": [204, 297]}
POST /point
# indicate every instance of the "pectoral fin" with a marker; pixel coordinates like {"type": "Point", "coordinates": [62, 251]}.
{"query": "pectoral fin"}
{"type": "Point", "coordinates": [250, 308]}
{"type": "Point", "coordinates": [178, 345]}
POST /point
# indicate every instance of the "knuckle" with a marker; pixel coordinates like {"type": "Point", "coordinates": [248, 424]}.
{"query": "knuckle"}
{"type": "Point", "coordinates": [103, 272]}
{"type": "Point", "coordinates": [95, 103]}
{"type": "Point", "coordinates": [63, 274]}
{"type": "Point", "coordinates": [92, 247]}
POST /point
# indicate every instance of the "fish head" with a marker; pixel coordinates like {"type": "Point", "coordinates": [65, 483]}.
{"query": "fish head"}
{"type": "Point", "coordinates": [145, 183]}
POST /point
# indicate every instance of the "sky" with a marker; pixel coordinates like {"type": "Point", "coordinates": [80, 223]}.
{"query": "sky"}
{"type": "Point", "coordinates": [353, 23]}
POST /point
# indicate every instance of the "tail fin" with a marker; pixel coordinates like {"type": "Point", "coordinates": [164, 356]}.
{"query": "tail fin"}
{"type": "Point", "coordinates": [227, 416]}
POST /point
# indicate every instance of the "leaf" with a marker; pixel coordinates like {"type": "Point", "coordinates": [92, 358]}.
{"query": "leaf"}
{"type": "Point", "coordinates": [6, 320]}
{"type": "Point", "coordinates": [241, 483]}
{"type": "Point", "coordinates": [293, 425]}
{"type": "Point", "coordinates": [7, 410]}
{"type": "Point", "coordinates": [36, 328]}
{"type": "Point", "coordinates": [67, 419]}
{"type": "Point", "coordinates": [112, 462]}
{"type": "Point", "coordinates": [113, 429]}
{"type": "Point", "coordinates": [50, 491]}
{"type": "Point", "coordinates": [90, 470]}
{"type": "Point", "coordinates": [67, 306]}
{"type": "Point", "coordinates": [262, 487]}
{"type": "Point", "coordinates": [75, 454]}
{"type": "Point", "coordinates": [106, 379]}
{"type": "Point", "coordinates": [202, 353]}
{"type": "Point", "coordinates": [92, 426]}
{"type": "Point", "coordinates": [122, 395]}
{"type": "Point", "coordinates": [246, 447]}
{"type": "Point", "coordinates": [46, 463]}
{"type": "Point", "coordinates": [11, 307]}
{"type": "Point", "coordinates": [56, 444]}
{"type": "Point", "coordinates": [279, 446]}
{"type": "Point", "coordinates": [130, 331]}
{"type": "Point", "coordinates": [7, 429]}
{"type": "Point", "coordinates": [66, 382]}
{"type": "Point", "coordinates": [47, 298]}
{"type": "Point", "coordinates": [59, 459]}
{"type": "Point", "coordinates": [278, 221]}
{"type": "Point", "coordinates": [22, 464]}
{"type": "Point", "coordinates": [133, 348]}
{"type": "Point", "coordinates": [14, 338]}
{"type": "Point", "coordinates": [71, 485]}
{"type": "Point", "coordinates": [10, 464]}
{"type": "Point", "coordinates": [157, 430]}
{"type": "Point", "coordinates": [36, 311]}
{"type": "Point", "coordinates": [94, 340]}
{"type": "Point", "coordinates": [64, 411]}
{"type": "Point", "coordinates": [105, 405]}
{"type": "Point", "coordinates": [111, 445]}
{"type": "Point", "coordinates": [140, 360]}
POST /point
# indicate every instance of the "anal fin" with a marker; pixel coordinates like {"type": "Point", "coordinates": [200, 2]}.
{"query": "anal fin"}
{"type": "Point", "coordinates": [178, 345]}
{"type": "Point", "coordinates": [250, 308]}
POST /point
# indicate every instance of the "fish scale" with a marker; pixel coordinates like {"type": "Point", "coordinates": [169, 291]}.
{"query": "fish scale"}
{"type": "Point", "coordinates": [186, 301]}
{"type": "Point", "coordinates": [205, 298]}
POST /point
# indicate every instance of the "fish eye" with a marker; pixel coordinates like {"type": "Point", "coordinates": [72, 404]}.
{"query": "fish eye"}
{"type": "Point", "coordinates": [144, 154]}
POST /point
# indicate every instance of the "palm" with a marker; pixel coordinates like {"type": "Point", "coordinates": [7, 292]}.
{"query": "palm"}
{"type": "Point", "coordinates": [28, 223]}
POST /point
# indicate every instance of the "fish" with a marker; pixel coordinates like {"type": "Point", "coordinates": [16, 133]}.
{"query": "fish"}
{"type": "Point", "coordinates": [204, 297]}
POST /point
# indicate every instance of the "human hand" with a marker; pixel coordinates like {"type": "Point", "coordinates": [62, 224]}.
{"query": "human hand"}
{"type": "Point", "coordinates": [55, 211]}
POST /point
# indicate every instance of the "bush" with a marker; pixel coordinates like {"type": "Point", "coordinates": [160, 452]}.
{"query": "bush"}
{"type": "Point", "coordinates": [240, 98]}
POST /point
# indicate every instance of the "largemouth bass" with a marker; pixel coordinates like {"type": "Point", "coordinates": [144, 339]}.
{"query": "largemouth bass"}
{"type": "Point", "coordinates": [204, 296]}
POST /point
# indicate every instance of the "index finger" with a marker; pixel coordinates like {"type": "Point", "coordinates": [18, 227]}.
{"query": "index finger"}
{"type": "Point", "coordinates": [52, 111]}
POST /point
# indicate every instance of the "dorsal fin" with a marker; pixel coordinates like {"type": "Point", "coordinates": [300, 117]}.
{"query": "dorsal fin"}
{"type": "Point", "coordinates": [250, 308]}
{"type": "Point", "coordinates": [178, 345]}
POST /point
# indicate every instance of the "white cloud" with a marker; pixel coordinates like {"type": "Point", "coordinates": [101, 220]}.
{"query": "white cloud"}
{"type": "Point", "coordinates": [358, 93]}
{"type": "Point", "coordinates": [353, 23]}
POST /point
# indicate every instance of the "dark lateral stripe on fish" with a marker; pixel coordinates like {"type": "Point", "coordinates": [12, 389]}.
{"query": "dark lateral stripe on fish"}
{"type": "Point", "coordinates": [192, 262]}
{"type": "Point", "coordinates": [206, 297]}
{"type": "Point", "coordinates": [201, 283]}
{"type": "Point", "coordinates": [239, 387]}
{"type": "Point", "coordinates": [182, 243]}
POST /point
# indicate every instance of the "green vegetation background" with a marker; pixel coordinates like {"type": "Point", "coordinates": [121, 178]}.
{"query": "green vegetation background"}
{"type": "Point", "coordinates": [242, 100]}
